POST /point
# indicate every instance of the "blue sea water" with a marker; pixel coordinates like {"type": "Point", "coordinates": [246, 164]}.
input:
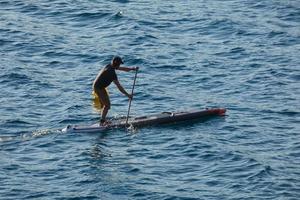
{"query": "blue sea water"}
{"type": "Point", "coordinates": [237, 54]}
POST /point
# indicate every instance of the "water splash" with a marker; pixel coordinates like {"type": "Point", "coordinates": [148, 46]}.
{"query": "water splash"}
{"type": "Point", "coordinates": [131, 129]}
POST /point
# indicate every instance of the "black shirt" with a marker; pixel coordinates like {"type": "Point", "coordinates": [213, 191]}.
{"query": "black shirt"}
{"type": "Point", "coordinates": [105, 77]}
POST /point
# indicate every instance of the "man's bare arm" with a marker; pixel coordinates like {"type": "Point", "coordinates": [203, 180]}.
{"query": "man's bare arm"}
{"type": "Point", "coordinates": [127, 69]}
{"type": "Point", "coordinates": [120, 87]}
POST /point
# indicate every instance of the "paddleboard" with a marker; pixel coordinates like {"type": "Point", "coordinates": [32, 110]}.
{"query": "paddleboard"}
{"type": "Point", "coordinates": [150, 120]}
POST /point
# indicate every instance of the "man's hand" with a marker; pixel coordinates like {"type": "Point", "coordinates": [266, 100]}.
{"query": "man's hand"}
{"type": "Point", "coordinates": [130, 96]}
{"type": "Point", "coordinates": [135, 68]}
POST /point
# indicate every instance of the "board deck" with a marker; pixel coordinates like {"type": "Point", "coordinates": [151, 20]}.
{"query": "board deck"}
{"type": "Point", "coordinates": [155, 119]}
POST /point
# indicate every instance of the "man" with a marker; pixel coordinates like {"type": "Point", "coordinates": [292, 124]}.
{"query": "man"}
{"type": "Point", "coordinates": [106, 76]}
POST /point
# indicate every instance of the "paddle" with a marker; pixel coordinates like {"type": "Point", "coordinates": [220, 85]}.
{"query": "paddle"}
{"type": "Point", "coordinates": [136, 71]}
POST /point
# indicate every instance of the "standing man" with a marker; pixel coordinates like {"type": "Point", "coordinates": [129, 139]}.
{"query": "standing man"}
{"type": "Point", "coordinates": [104, 79]}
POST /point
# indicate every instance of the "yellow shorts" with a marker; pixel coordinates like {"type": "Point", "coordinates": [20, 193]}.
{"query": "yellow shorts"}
{"type": "Point", "coordinates": [96, 101]}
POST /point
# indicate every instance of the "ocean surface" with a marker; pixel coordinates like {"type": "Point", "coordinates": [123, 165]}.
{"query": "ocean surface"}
{"type": "Point", "coordinates": [243, 55]}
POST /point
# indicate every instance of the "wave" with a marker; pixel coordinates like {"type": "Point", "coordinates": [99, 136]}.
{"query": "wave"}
{"type": "Point", "coordinates": [86, 16]}
{"type": "Point", "coordinates": [15, 78]}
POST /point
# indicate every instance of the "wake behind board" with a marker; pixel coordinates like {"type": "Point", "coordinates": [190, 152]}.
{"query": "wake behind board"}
{"type": "Point", "coordinates": [155, 119]}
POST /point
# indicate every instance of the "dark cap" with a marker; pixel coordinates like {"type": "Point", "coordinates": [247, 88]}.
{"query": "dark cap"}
{"type": "Point", "coordinates": [118, 59]}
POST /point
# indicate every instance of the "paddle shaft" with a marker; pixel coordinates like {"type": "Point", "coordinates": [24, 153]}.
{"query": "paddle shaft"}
{"type": "Point", "coordinates": [130, 100]}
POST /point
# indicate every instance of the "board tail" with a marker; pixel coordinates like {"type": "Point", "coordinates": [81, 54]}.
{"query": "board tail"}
{"type": "Point", "coordinates": [221, 111]}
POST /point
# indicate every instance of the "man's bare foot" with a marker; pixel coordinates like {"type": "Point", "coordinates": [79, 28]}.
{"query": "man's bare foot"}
{"type": "Point", "coordinates": [105, 122]}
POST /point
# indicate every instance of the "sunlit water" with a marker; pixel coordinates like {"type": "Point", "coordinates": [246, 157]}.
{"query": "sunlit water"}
{"type": "Point", "coordinates": [241, 55]}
